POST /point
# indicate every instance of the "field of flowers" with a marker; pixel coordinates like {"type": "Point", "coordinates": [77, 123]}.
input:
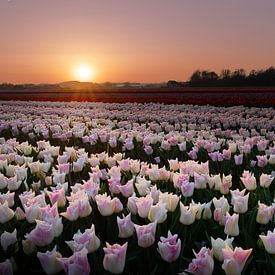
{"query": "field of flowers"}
{"type": "Point", "coordinates": [93, 188]}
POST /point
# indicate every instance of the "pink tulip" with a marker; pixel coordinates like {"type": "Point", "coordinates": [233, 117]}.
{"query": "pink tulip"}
{"type": "Point", "coordinates": [203, 264]}
{"type": "Point", "coordinates": [57, 196]}
{"type": "Point", "coordinates": [42, 234]}
{"type": "Point", "coordinates": [226, 154]}
{"type": "Point", "coordinates": [249, 181]}
{"type": "Point", "coordinates": [105, 205]}
{"type": "Point", "coordinates": [6, 268]}
{"type": "Point", "coordinates": [266, 180]}
{"type": "Point", "coordinates": [262, 161]}
{"type": "Point", "coordinates": [146, 234]}
{"type": "Point", "coordinates": [127, 189]}
{"type": "Point", "coordinates": [49, 261]}
{"type": "Point", "coordinates": [19, 214]}
{"type": "Point", "coordinates": [125, 164]}
{"type": "Point", "coordinates": [84, 207]}
{"type": "Point", "coordinates": [72, 212]}
{"type": "Point", "coordinates": [169, 248]}
{"type": "Point", "coordinates": [91, 188]}
{"type": "Point", "coordinates": [187, 188]}
{"type": "Point", "coordinates": [265, 213]}
{"type": "Point", "coordinates": [9, 197]}
{"type": "Point", "coordinates": [125, 226]}
{"type": "Point", "coordinates": [238, 159]}
{"type": "Point", "coordinates": [148, 150]}
{"type": "Point", "coordinates": [231, 225]}
{"type": "Point", "coordinates": [77, 263]}
{"type": "Point", "coordinates": [226, 184]}
{"type": "Point", "coordinates": [131, 204]}
{"type": "Point", "coordinates": [6, 214]}
{"type": "Point", "coordinates": [88, 239]}
{"type": "Point", "coordinates": [64, 168]}
{"type": "Point", "coordinates": [144, 205]}
{"type": "Point", "coordinates": [234, 260]}
{"type": "Point", "coordinates": [7, 239]}
{"type": "Point", "coordinates": [114, 184]}
{"type": "Point", "coordinates": [269, 241]}
{"type": "Point", "coordinates": [114, 258]}
{"type": "Point", "coordinates": [158, 212]}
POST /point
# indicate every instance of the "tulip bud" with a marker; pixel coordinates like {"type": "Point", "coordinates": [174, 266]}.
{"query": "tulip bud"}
{"type": "Point", "coordinates": [269, 241]}
{"type": "Point", "coordinates": [87, 240]}
{"type": "Point", "coordinates": [131, 204]}
{"type": "Point", "coordinates": [265, 180]}
{"type": "Point", "coordinates": [203, 263]}
{"type": "Point", "coordinates": [158, 213]}
{"type": "Point", "coordinates": [28, 247]}
{"type": "Point", "coordinates": [125, 226]}
{"type": "Point", "coordinates": [19, 214]}
{"type": "Point", "coordinates": [6, 267]}
{"type": "Point", "coordinates": [218, 245]}
{"type": "Point", "coordinates": [77, 263]}
{"type": "Point", "coordinates": [42, 234]}
{"type": "Point", "coordinates": [114, 258]}
{"type": "Point", "coordinates": [8, 239]}
{"type": "Point", "coordinates": [231, 225]}
{"type": "Point", "coordinates": [249, 181]}
{"type": "Point", "coordinates": [146, 234]}
{"type": "Point", "coordinates": [6, 213]}
{"type": "Point", "coordinates": [234, 260]}
{"type": "Point", "coordinates": [49, 261]}
{"type": "Point", "coordinates": [169, 248]}
{"type": "Point", "coordinates": [105, 205]}
{"type": "Point", "coordinates": [144, 205]}
{"type": "Point", "coordinates": [264, 213]}
{"type": "Point", "coordinates": [171, 201]}
{"type": "Point", "coordinates": [188, 213]}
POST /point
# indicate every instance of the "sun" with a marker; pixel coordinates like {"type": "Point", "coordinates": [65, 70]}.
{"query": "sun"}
{"type": "Point", "coordinates": [84, 73]}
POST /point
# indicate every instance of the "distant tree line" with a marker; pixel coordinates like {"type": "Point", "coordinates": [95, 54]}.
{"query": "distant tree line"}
{"type": "Point", "coordinates": [227, 78]}
{"type": "Point", "coordinates": [10, 86]}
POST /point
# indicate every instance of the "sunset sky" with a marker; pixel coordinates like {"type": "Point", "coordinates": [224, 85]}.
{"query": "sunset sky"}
{"type": "Point", "coordinates": [125, 40]}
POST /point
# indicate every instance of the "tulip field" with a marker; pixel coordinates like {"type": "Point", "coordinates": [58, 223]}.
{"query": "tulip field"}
{"type": "Point", "coordinates": [132, 188]}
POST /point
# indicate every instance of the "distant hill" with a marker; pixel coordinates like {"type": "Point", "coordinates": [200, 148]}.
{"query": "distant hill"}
{"type": "Point", "coordinates": [77, 85]}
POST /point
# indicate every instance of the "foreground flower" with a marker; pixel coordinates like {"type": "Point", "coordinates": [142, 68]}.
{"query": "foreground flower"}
{"type": "Point", "coordinates": [169, 248]}
{"type": "Point", "coordinates": [203, 264]}
{"type": "Point", "coordinates": [77, 263]}
{"type": "Point", "coordinates": [218, 245]}
{"type": "Point", "coordinates": [6, 267]}
{"type": "Point", "coordinates": [6, 214]}
{"type": "Point", "coordinates": [144, 205]}
{"type": "Point", "coordinates": [49, 261]}
{"type": "Point", "coordinates": [264, 213]}
{"type": "Point", "coordinates": [57, 196]}
{"type": "Point", "coordinates": [106, 206]}
{"type": "Point", "coordinates": [158, 212]}
{"type": "Point", "coordinates": [8, 239]}
{"type": "Point", "coordinates": [249, 181]}
{"type": "Point", "coordinates": [171, 200]}
{"type": "Point", "coordinates": [88, 239]}
{"type": "Point", "coordinates": [234, 260]}
{"type": "Point", "coordinates": [114, 258]}
{"type": "Point", "coordinates": [231, 225]}
{"type": "Point", "coordinates": [125, 226]}
{"type": "Point", "coordinates": [42, 234]}
{"type": "Point", "coordinates": [188, 213]}
{"type": "Point", "coordinates": [269, 241]}
{"type": "Point", "coordinates": [146, 234]}
{"type": "Point", "coordinates": [266, 180]}
{"type": "Point", "coordinates": [239, 201]}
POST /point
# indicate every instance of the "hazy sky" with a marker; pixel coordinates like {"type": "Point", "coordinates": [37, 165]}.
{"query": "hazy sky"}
{"type": "Point", "coordinates": [127, 40]}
